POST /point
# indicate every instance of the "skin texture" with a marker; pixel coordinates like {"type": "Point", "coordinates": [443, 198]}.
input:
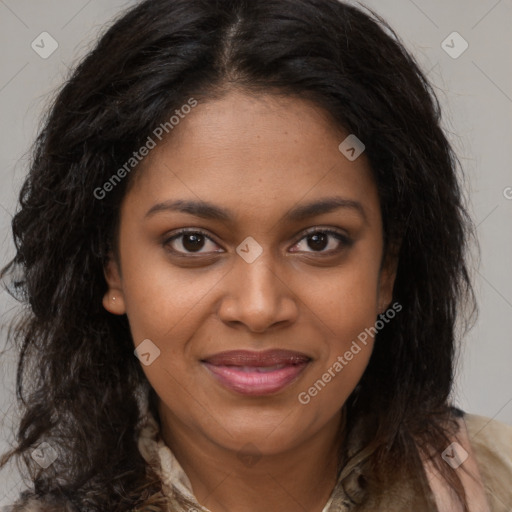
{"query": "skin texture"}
{"type": "Point", "coordinates": [258, 157]}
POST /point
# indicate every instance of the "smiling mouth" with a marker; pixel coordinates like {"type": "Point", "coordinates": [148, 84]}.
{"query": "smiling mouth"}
{"type": "Point", "coordinates": [256, 373]}
{"type": "Point", "coordinates": [257, 369]}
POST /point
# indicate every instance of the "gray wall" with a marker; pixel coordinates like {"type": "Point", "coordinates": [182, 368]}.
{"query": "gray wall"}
{"type": "Point", "coordinates": [475, 89]}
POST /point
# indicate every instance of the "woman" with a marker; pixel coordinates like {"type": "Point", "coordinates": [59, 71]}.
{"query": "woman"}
{"type": "Point", "coordinates": [242, 241]}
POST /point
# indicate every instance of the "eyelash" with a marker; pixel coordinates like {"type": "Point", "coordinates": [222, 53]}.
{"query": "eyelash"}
{"type": "Point", "coordinates": [342, 238]}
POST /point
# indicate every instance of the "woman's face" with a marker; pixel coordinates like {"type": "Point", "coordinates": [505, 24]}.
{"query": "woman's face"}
{"type": "Point", "coordinates": [253, 279]}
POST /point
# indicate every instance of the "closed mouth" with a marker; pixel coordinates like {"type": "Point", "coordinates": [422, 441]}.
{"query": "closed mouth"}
{"type": "Point", "coordinates": [256, 373]}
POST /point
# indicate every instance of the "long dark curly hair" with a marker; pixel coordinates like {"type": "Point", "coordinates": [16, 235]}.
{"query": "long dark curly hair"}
{"type": "Point", "coordinates": [77, 375]}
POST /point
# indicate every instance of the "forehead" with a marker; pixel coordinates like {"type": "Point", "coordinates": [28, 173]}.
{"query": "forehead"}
{"type": "Point", "coordinates": [254, 155]}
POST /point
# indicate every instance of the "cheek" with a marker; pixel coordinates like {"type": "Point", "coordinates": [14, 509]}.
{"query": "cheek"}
{"type": "Point", "coordinates": [346, 298]}
{"type": "Point", "coordinates": [344, 309]}
{"type": "Point", "coordinates": [163, 301]}
{"type": "Point", "coordinates": [347, 319]}
{"type": "Point", "coordinates": [167, 307]}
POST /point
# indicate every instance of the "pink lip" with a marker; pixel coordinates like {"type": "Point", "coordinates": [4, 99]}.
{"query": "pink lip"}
{"type": "Point", "coordinates": [234, 370]}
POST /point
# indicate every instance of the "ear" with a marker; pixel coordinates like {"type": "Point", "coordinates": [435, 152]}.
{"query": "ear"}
{"type": "Point", "coordinates": [387, 278]}
{"type": "Point", "coordinates": [113, 300]}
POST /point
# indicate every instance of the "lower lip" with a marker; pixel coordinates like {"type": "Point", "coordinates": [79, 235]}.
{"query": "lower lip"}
{"type": "Point", "coordinates": [253, 382]}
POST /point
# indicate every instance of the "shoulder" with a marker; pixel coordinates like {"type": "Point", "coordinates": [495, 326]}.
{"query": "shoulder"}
{"type": "Point", "coordinates": [491, 442]}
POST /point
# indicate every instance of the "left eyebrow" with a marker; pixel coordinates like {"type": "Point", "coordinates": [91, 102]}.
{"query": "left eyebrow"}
{"type": "Point", "coordinates": [325, 205]}
{"type": "Point", "coordinates": [208, 210]}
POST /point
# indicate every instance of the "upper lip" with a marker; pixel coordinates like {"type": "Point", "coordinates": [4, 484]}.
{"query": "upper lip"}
{"type": "Point", "coordinates": [251, 358]}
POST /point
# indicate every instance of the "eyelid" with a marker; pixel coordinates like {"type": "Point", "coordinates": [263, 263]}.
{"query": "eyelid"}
{"type": "Point", "coordinates": [321, 229]}
{"type": "Point", "coordinates": [342, 237]}
{"type": "Point", "coordinates": [184, 231]}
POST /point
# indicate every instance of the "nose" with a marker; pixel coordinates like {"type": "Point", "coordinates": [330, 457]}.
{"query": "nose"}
{"type": "Point", "coordinates": [257, 296]}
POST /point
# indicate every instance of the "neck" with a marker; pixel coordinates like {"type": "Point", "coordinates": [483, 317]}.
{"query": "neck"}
{"type": "Point", "coordinates": [224, 480]}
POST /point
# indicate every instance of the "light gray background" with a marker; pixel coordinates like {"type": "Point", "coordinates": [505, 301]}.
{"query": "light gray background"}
{"type": "Point", "coordinates": [475, 90]}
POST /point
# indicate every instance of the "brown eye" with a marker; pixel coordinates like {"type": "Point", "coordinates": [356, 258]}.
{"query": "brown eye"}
{"type": "Point", "coordinates": [193, 242]}
{"type": "Point", "coordinates": [189, 242]}
{"type": "Point", "coordinates": [318, 240]}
